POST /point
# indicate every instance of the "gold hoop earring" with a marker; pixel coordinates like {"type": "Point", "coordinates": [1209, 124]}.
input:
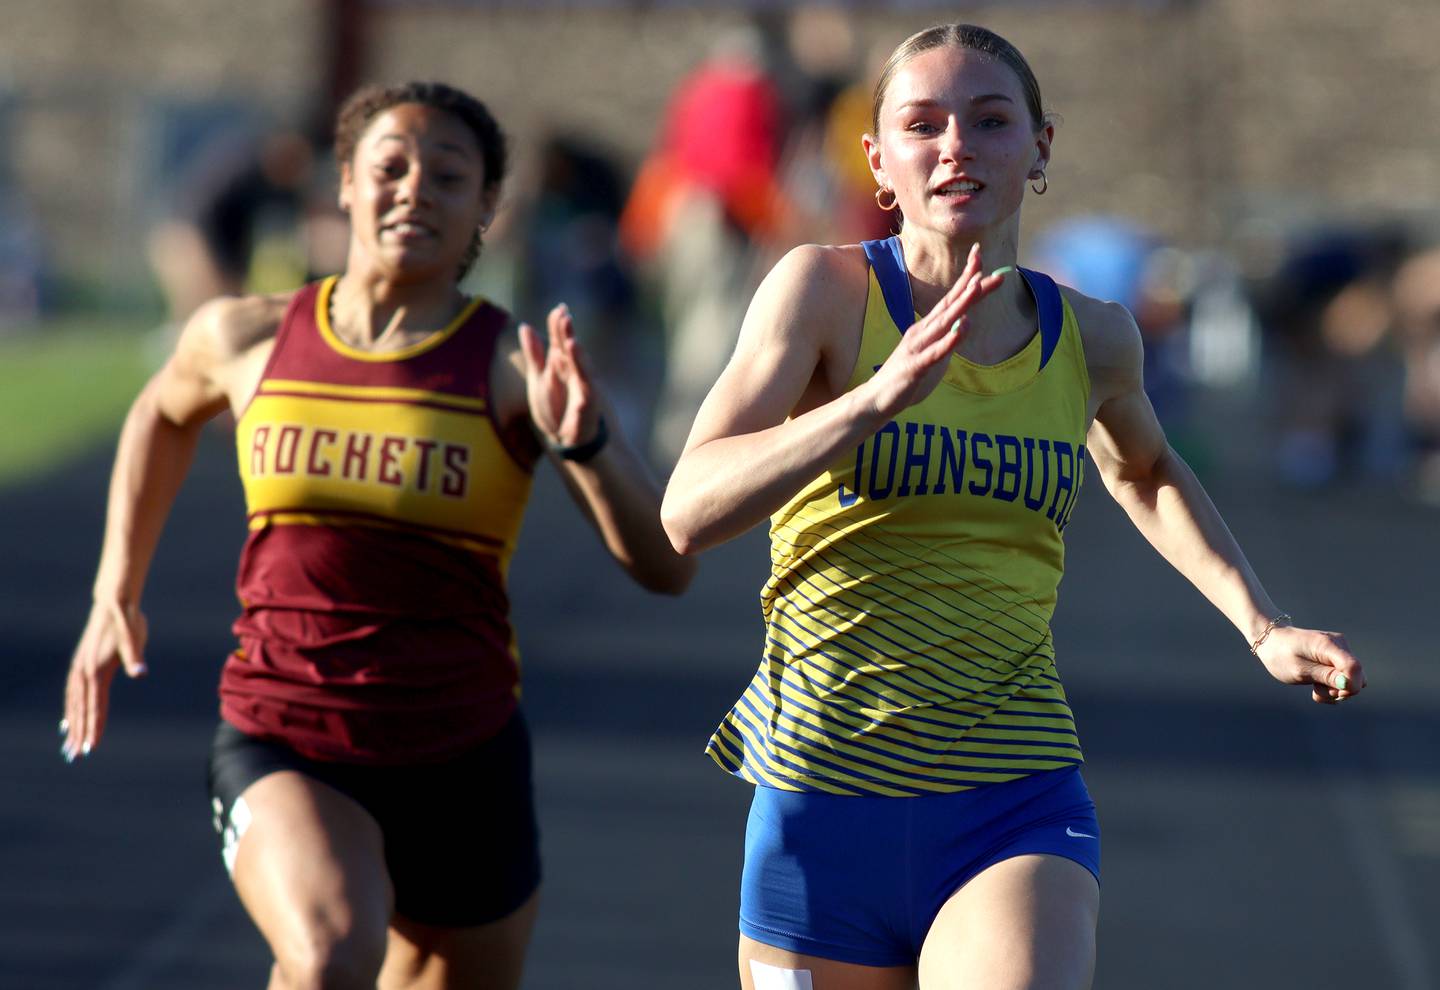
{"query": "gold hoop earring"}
{"type": "Point", "coordinates": [894, 200]}
{"type": "Point", "coordinates": [1044, 185]}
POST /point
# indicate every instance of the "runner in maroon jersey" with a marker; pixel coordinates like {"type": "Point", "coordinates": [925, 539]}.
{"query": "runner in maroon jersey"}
{"type": "Point", "coordinates": [370, 776]}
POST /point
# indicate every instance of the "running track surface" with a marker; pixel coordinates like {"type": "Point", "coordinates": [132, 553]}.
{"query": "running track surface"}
{"type": "Point", "coordinates": [1252, 839]}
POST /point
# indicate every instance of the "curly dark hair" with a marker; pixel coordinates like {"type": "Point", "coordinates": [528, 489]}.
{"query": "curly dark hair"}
{"type": "Point", "coordinates": [368, 102]}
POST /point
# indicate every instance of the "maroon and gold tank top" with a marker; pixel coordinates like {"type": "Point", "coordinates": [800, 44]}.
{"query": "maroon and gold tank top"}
{"type": "Point", "coordinates": [384, 500]}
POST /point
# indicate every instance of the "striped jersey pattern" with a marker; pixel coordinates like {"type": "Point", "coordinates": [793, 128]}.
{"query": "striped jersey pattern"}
{"type": "Point", "coordinates": [908, 648]}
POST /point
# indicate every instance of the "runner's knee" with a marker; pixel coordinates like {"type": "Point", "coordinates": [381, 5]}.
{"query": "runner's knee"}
{"type": "Point", "coordinates": [326, 958]}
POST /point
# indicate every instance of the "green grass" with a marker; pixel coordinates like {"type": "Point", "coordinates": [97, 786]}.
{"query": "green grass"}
{"type": "Point", "coordinates": [64, 389]}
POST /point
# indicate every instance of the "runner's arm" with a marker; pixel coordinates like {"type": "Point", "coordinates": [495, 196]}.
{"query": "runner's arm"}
{"type": "Point", "coordinates": [605, 476]}
{"type": "Point", "coordinates": [1166, 502]}
{"type": "Point", "coordinates": [157, 444]}
{"type": "Point", "coordinates": [749, 449]}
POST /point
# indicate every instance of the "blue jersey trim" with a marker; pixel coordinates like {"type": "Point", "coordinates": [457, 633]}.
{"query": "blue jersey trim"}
{"type": "Point", "coordinates": [888, 262]}
{"type": "Point", "coordinates": [1051, 310]}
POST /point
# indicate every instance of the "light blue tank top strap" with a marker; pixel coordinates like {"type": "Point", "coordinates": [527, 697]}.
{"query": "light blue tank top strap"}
{"type": "Point", "coordinates": [888, 262]}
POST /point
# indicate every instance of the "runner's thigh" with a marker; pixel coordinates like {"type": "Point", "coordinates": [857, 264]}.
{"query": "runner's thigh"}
{"type": "Point", "coordinates": [1025, 923]}
{"type": "Point", "coordinates": [310, 869]}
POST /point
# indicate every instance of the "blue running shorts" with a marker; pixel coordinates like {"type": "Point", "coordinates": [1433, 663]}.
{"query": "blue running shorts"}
{"type": "Point", "coordinates": [861, 879]}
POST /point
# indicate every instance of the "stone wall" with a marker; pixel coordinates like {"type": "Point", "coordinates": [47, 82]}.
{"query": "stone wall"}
{"type": "Point", "coordinates": [1195, 116]}
{"type": "Point", "coordinates": [79, 84]}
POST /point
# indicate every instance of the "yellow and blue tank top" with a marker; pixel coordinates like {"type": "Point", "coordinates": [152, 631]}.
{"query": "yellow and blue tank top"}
{"type": "Point", "coordinates": [908, 648]}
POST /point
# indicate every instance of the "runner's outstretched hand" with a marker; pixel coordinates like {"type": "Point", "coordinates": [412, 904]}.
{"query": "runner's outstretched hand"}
{"type": "Point", "coordinates": [114, 636]}
{"type": "Point", "coordinates": [1320, 659]}
{"type": "Point", "coordinates": [558, 384]}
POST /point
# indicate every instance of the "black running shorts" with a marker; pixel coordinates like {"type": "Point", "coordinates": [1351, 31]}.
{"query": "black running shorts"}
{"type": "Point", "coordinates": [461, 843]}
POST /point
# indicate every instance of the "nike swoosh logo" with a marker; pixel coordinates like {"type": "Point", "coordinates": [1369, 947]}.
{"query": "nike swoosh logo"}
{"type": "Point", "coordinates": [1077, 835]}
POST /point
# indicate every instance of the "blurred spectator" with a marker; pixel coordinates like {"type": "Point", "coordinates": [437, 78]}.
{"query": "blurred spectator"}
{"type": "Point", "coordinates": [1223, 329]}
{"type": "Point", "coordinates": [22, 268]}
{"type": "Point", "coordinates": [570, 253]}
{"type": "Point", "coordinates": [827, 182]}
{"type": "Point", "coordinates": [706, 192]}
{"type": "Point", "coordinates": [1326, 311]}
{"type": "Point", "coordinates": [857, 216]}
{"type": "Point", "coordinates": [1114, 259]}
{"type": "Point", "coordinates": [237, 220]}
{"type": "Point", "coordinates": [1417, 322]}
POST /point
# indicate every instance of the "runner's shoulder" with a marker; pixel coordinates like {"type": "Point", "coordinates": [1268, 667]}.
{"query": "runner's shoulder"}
{"type": "Point", "coordinates": [1108, 332]}
{"type": "Point", "coordinates": [229, 327]}
{"type": "Point", "coordinates": [818, 287]}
